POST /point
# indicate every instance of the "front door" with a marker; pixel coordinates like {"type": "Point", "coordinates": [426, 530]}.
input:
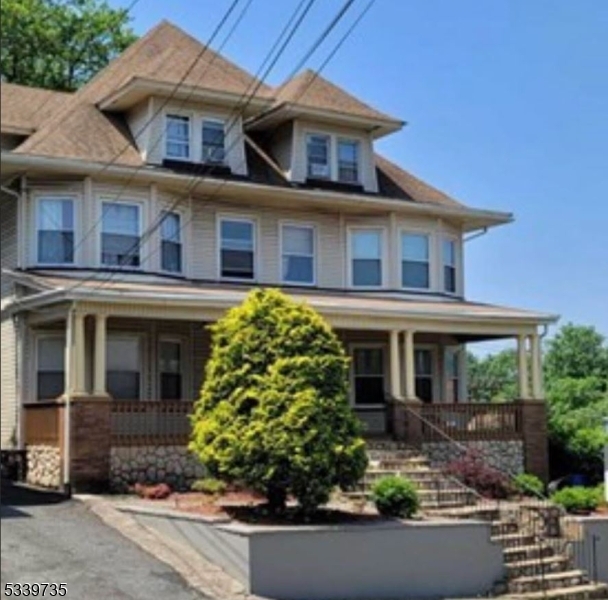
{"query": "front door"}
{"type": "Point", "coordinates": [369, 386]}
{"type": "Point", "coordinates": [423, 360]}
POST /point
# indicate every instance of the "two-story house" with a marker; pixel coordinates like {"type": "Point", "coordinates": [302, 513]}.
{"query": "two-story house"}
{"type": "Point", "coordinates": [138, 209]}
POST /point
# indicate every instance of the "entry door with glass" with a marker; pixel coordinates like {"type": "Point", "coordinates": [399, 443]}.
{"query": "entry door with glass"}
{"type": "Point", "coordinates": [368, 376]}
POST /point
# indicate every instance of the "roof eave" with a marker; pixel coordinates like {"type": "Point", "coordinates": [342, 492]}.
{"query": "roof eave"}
{"type": "Point", "coordinates": [16, 130]}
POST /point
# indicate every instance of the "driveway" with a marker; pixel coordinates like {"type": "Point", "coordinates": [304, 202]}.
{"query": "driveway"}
{"type": "Point", "coordinates": [46, 539]}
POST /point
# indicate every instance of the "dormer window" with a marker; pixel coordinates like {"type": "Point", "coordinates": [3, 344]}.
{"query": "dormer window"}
{"type": "Point", "coordinates": [348, 161]}
{"type": "Point", "coordinates": [214, 150]}
{"type": "Point", "coordinates": [178, 137]}
{"type": "Point", "coordinates": [318, 154]}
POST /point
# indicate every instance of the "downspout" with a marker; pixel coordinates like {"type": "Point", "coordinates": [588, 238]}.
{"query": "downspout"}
{"type": "Point", "coordinates": [474, 236]}
{"type": "Point", "coordinates": [69, 356]}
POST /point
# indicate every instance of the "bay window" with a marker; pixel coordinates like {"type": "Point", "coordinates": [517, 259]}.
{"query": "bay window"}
{"type": "Point", "coordinates": [177, 137]}
{"type": "Point", "coordinates": [415, 261]}
{"type": "Point", "coordinates": [298, 249]}
{"type": "Point", "coordinates": [237, 248]}
{"type": "Point", "coordinates": [171, 242]}
{"type": "Point", "coordinates": [366, 257]}
{"type": "Point", "coordinates": [120, 238]}
{"type": "Point", "coordinates": [55, 231]}
{"type": "Point", "coordinates": [449, 266]}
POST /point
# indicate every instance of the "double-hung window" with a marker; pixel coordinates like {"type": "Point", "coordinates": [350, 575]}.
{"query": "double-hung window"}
{"type": "Point", "coordinates": [348, 161]}
{"type": "Point", "coordinates": [237, 249]}
{"type": "Point", "coordinates": [452, 366]}
{"type": "Point", "coordinates": [55, 231]}
{"type": "Point", "coordinates": [177, 137]}
{"type": "Point", "coordinates": [170, 369]}
{"type": "Point", "coordinates": [123, 370]}
{"type": "Point", "coordinates": [120, 237]}
{"type": "Point", "coordinates": [318, 156]}
{"type": "Point", "coordinates": [366, 257]}
{"type": "Point", "coordinates": [423, 361]}
{"type": "Point", "coordinates": [449, 266]}
{"type": "Point", "coordinates": [415, 259]}
{"type": "Point", "coordinates": [214, 150]}
{"type": "Point", "coordinates": [368, 375]}
{"type": "Point", "coordinates": [298, 250]}
{"type": "Point", "coordinates": [50, 358]}
{"type": "Point", "coordinates": [171, 242]}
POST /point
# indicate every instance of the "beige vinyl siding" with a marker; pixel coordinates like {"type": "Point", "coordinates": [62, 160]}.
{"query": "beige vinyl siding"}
{"type": "Point", "coordinates": [8, 241]}
{"type": "Point", "coordinates": [234, 143]}
{"type": "Point", "coordinates": [367, 167]}
{"type": "Point", "coordinates": [138, 118]}
{"type": "Point", "coordinates": [8, 384]}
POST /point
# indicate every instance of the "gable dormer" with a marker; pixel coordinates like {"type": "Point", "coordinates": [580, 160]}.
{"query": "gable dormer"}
{"type": "Point", "coordinates": [322, 136]}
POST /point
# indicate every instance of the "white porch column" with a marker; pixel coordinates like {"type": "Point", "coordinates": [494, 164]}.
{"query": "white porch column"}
{"type": "Point", "coordinates": [99, 370]}
{"type": "Point", "coordinates": [68, 370]}
{"type": "Point", "coordinates": [395, 371]}
{"type": "Point", "coordinates": [522, 361]}
{"type": "Point", "coordinates": [79, 354]}
{"type": "Point", "coordinates": [409, 367]}
{"type": "Point", "coordinates": [537, 385]}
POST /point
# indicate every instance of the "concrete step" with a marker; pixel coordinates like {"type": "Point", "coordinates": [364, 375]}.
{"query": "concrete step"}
{"type": "Point", "coordinates": [547, 581]}
{"type": "Point", "coordinates": [472, 512]}
{"type": "Point", "coordinates": [537, 566]}
{"type": "Point", "coordinates": [534, 551]}
{"type": "Point", "coordinates": [427, 504]}
{"type": "Point", "coordinates": [504, 527]}
{"type": "Point", "coordinates": [589, 591]}
{"type": "Point", "coordinates": [388, 445]}
{"type": "Point", "coordinates": [376, 455]}
{"type": "Point", "coordinates": [513, 540]}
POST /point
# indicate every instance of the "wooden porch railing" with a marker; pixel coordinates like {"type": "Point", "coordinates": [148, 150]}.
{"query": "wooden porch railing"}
{"type": "Point", "coordinates": [471, 421]}
{"type": "Point", "coordinates": [150, 423]}
{"type": "Point", "coordinates": [43, 423]}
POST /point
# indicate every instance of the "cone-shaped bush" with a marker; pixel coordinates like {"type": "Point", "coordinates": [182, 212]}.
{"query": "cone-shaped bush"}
{"type": "Point", "coordinates": [273, 412]}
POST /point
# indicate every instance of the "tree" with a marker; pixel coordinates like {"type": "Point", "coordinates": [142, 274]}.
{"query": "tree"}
{"type": "Point", "coordinates": [273, 412]}
{"type": "Point", "coordinates": [492, 378]}
{"type": "Point", "coordinates": [59, 44]}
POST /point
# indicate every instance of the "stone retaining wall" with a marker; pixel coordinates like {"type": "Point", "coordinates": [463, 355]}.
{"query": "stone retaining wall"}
{"type": "Point", "coordinates": [173, 465]}
{"type": "Point", "coordinates": [505, 455]}
{"type": "Point", "coordinates": [44, 466]}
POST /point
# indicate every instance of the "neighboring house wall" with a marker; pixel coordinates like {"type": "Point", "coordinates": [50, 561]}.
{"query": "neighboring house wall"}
{"type": "Point", "coordinates": [8, 342]}
{"type": "Point", "coordinates": [200, 234]}
{"type": "Point", "coordinates": [234, 143]}
{"type": "Point", "coordinates": [367, 165]}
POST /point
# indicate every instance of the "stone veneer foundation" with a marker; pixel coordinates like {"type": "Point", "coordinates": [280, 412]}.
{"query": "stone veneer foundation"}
{"type": "Point", "coordinates": [505, 455]}
{"type": "Point", "coordinates": [173, 465]}
{"type": "Point", "coordinates": [44, 466]}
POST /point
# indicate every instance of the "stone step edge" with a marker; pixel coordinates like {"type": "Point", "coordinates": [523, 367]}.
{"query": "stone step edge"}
{"type": "Point", "coordinates": [558, 593]}
{"type": "Point", "coordinates": [549, 576]}
{"type": "Point", "coordinates": [537, 562]}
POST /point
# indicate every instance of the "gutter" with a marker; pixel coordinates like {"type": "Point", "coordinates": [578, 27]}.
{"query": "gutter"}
{"type": "Point", "coordinates": [154, 174]}
{"type": "Point", "coordinates": [30, 302]}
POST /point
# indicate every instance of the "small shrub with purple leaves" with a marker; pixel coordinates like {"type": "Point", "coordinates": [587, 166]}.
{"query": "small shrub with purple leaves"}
{"type": "Point", "coordinates": [472, 470]}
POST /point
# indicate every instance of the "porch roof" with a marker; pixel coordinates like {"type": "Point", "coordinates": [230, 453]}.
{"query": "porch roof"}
{"type": "Point", "coordinates": [367, 310]}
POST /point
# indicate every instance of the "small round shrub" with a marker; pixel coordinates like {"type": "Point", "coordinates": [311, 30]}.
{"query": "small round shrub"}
{"type": "Point", "coordinates": [526, 484]}
{"type": "Point", "coordinates": [209, 485]}
{"type": "Point", "coordinates": [577, 499]}
{"type": "Point", "coordinates": [395, 497]}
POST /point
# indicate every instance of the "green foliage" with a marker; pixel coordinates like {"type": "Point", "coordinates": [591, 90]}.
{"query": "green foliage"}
{"type": "Point", "coordinates": [527, 484]}
{"type": "Point", "coordinates": [395, 497]}
{"type": "Point", "coordinates": [578, 499]}
{"type": "Point", "coordinates": [209, 485]}
{"type": "Point", "coordinates": [273, 412]}
{"type": "Point", "coordinates": [60, 44]}
{"type": "Point", "coordinates": [492, 378]}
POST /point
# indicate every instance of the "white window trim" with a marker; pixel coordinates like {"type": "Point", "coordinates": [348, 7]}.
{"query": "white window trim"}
{"type": "Point", "coordinates": [39, 335]}
{"type": "Point", "coordinates": [38, 198]}
{"type": "Point", "coordinates": [385, 365]}
{"type": "Point", "coordinates": [185, 363]}
{"type": "Point", "coordinates": [383, 258]}
{"type": "Point", "coordinates": [221, 121]}
{"type": "Point", "coordinates": [218, 236]}
{"type": "Point", "coordinates": [179, 113]}
{"type": "Point", "coordinates": [142, 245]}
{"type": "Point", "coordinates": [431, 260]}
{"type": "Point", "coordinates": [142, 340]}
{"type": "Point", "coordinates": [183, 237]}
{"type": "Point", "coordinates": [457, 264]}
{"type": "Point", "coordinates": [334, 138]}
{"type": "Point", "coordinates": [435, 369]}
{"type": "Point", "coordinates": [315, 251]}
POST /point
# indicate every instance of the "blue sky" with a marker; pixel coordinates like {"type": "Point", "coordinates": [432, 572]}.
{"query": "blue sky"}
{"type": "Point", "coordinates": [507, 108]}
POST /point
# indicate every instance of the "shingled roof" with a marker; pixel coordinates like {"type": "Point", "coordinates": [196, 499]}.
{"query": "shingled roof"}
{"type": "Point", "coordinates": [80, 130]}
{"type": "Point", "coordinates": [308, 89]}
{"type": "Point", "coordinates": [26, 108]}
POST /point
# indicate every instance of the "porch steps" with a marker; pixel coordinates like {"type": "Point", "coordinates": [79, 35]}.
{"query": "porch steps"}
{"type": "Point", "coordinates": [548, 581]}
{"type": "Point", "coordinates": [589, 591]}
{"type": "Point", "coordinates": [514, 539]}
